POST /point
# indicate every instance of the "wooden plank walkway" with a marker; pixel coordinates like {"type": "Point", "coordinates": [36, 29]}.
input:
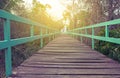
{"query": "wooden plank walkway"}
{"type": "Point", "coordinates": [65, 57]}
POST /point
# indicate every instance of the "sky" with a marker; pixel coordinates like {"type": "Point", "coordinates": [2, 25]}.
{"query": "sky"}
{"type": "Point", "coordinates": [57, 7]}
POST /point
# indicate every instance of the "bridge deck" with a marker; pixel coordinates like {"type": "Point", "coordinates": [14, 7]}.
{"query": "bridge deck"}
{"type": "Point", "coordinates": [65, 57]}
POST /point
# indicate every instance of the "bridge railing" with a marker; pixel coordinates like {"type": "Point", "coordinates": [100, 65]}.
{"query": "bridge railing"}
{"type": "Point", "coordinates": [7, 43]}
{"type": "Point", "coordinates": [105, 25]}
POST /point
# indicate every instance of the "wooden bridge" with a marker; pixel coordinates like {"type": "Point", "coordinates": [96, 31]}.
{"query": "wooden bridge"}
{"type": "Point", "coordinates": [64, 56]}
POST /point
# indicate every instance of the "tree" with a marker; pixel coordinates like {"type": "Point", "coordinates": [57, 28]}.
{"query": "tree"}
{"type": "Point", "coordinates": [39, 14]}
{"type": "Point", "coordinates": [104, 9]}
{"type": "Point", "coordinates": [9, 4]}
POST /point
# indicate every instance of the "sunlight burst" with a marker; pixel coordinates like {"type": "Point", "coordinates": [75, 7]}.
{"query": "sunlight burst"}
{"type": "Point", "coordinates": [57, 8]}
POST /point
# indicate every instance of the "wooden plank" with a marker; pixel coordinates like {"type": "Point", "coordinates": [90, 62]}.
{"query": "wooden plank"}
{"type": "Point", "coordinates": [66, 57]}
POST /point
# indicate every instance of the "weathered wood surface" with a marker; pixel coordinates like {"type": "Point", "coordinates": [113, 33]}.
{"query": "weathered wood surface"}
{"type": "Point", "coordinates": [66, 57]}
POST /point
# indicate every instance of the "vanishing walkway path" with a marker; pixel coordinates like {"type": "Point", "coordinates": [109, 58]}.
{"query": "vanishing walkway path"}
{"type": "Point", "coordinates": [65, 57]}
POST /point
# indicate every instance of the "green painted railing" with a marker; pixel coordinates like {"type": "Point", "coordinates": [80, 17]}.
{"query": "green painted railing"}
{"type": "Point", "coordinates": [107, 38]}
{"type": "Point", "coordinates": [7, 43]}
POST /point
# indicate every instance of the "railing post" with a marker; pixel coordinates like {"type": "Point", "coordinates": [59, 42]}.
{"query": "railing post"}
{"type": "Point", "coordinates": [53, 35]}
{"type": "Point", "coordinates": [93, 42]}
{"type": "Point", "coordinates": [76, 33]}
{"type": "Point", "coordinates": [41, 39]}
{"type": "Point", "coordinates": [46, 31]}
{"type": "Point", "coordinates": [32, 30]}
{"type": "Point", "coordinates": [86, 31]}
{"type": "Point", "coordinates": [81, 39]}
{"type": "Point", "coordinates": [106, 31]}
{"type": "Point", "coordinates": [73, 34]}
{"type": "Point", "coordinates": [8, 55]}
{"type": "Point", "coordinates": [49, 36]}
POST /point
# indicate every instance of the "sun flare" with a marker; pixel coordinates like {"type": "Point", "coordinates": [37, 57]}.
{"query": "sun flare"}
{"type": "Point", "coordinates": [56, 9]}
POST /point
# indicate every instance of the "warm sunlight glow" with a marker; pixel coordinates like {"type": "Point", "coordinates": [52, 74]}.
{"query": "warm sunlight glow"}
{"type": "Point", "coordinates": [57, 8]}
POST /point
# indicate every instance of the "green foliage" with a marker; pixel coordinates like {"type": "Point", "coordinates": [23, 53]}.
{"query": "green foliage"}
{"type": "Point", "coordinates": [39, 14]}
{"type": "Point", "coordinates": [83, 18]}
{"type": "Point", "coordinates": [109, 49]}
{"type": "Point", "coordinates": [9, 4]}
{"type": "Point", "coordinates": [24, 51]}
